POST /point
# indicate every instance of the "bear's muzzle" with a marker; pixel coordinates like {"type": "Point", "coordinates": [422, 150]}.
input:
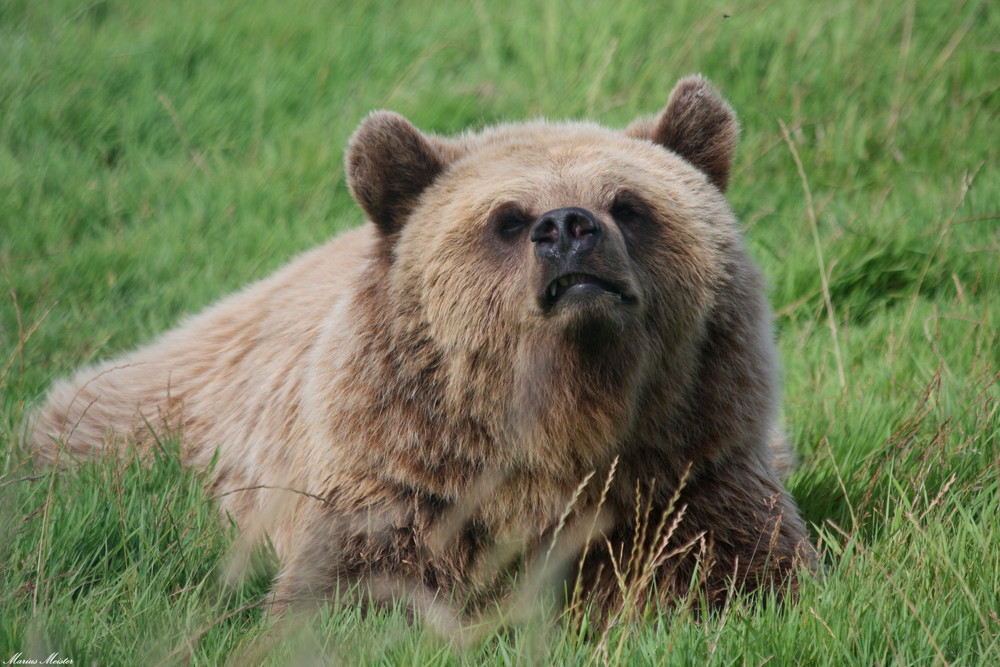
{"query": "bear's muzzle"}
{"type": "Point", "coordinates": [580, 262]}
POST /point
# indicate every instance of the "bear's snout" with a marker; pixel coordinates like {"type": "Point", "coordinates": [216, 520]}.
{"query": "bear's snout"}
{"type": "Point", "coordinates": [565, 233]}
{"type": "Point", "coordinates": [579, 259]}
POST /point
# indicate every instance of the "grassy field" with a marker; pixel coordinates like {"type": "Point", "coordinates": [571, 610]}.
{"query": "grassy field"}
{"type": "Point", "coordinates": [156, 155]}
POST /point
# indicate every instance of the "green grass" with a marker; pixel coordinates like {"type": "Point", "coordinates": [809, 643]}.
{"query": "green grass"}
{"type": "Point", "coordinates": [156, 155]}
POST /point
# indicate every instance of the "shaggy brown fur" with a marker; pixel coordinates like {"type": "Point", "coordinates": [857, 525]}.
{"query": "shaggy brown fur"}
{"type": "Point", "coordinates": [429, 379]}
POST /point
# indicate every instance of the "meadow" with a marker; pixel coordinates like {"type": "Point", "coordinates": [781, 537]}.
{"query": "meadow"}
{"type": "Point", "coordinates": [155, 156]}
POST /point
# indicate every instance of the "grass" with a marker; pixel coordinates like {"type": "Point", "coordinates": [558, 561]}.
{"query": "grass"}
{"type": "Point", "coordinates": [154, 156]}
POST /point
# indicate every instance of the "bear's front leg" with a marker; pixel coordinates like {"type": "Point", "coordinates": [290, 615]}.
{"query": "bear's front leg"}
{"type": "Point", "coordinates": [729, 530]}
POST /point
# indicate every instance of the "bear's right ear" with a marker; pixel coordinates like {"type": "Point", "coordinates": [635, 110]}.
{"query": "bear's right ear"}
{"type": "Point", "coordinates": [698, 125]}
{"type": "Point", "coordinates": [388, 164]}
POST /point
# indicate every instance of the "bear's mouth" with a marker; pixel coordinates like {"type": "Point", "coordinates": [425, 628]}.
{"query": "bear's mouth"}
{"type": "Point", "coordinates": [583, 285]}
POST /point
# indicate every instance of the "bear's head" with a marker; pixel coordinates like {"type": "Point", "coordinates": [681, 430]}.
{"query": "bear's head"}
{"type": "Point", "coordinates": [581, 290]}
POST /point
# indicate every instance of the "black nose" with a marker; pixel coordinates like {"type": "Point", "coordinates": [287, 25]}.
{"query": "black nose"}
{"type": "Point", "coordinates": [564, 232]}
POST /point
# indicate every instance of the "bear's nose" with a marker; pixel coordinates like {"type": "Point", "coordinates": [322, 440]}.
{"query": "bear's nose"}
{"type": "Point", "coordinates": [563, 232]}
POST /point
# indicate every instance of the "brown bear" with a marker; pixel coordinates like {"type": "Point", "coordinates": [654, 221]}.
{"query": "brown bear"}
{"type": "Point", "coordinates": [548, 339]}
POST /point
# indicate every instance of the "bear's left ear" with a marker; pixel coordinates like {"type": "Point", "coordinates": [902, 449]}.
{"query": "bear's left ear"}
{"type": "Point", "coordinates": [698, 125]}
{"type": "Point", "coordinates": [389, 163]}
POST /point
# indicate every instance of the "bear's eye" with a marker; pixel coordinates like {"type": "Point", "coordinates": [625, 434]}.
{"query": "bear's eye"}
{"type": "Point", "coordinates": [510, 221]}
{"type": "Point", "coordinates": [629, 208]}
